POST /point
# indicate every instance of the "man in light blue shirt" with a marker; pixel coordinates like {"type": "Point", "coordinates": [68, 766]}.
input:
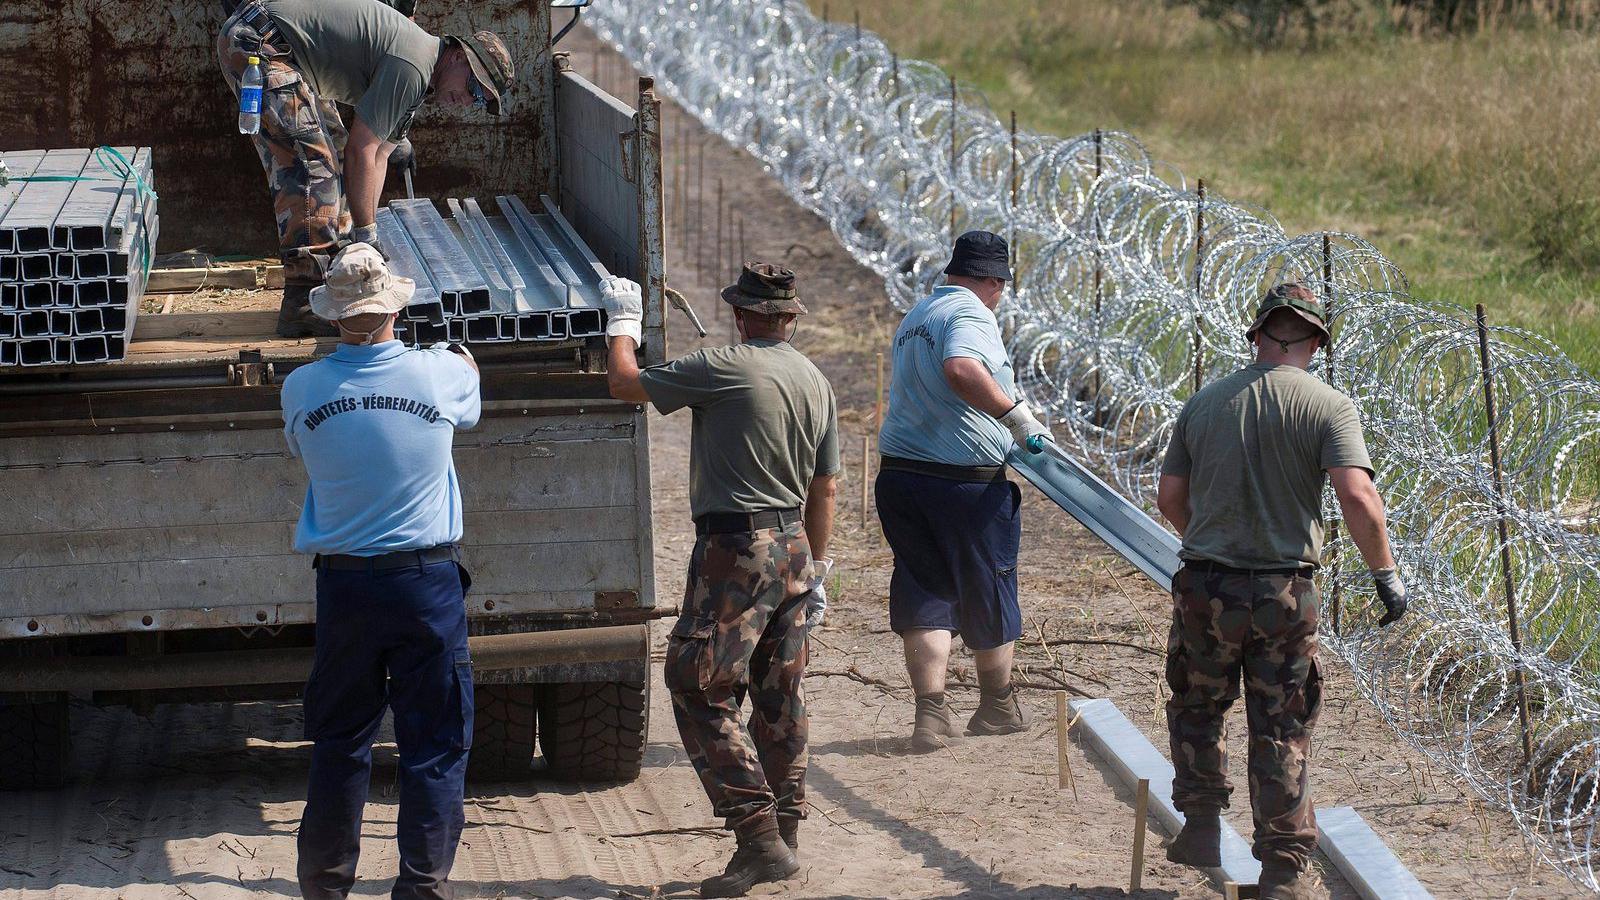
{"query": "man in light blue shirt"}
{"type": "Point", "coordinates": [948, 512]}
{"type": "Point", "coordinates": [373, 422]}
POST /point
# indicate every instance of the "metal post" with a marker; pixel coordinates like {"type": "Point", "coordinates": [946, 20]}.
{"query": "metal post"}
{"type": "Point", "coordinates": [1199, 272]}
{"type": "Point", "coordinates": [1334, 599]}
{"type": "Point", "coordinates": [700, 216]}
{"type": "Point", "coordinates": [719, 253]}
{"type": "Point", "coordinates": [1015, 185]}
{"type": "Point", "coordinates": [1505, 539]}
{"type": "Point", "coordinates": [739, 264]}
{"type": "Point", "coordinates": [953, 152]}
{"type": "Point", "coordinates": [1099, 271]}
{"type": "Point", "coordinates": [866, 475]}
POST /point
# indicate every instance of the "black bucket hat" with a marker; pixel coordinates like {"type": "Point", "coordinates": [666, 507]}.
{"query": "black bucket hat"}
{"type": "Point", "coordinates": [767, 289]}
{"type": "Point", "coordinates": [980, 254]}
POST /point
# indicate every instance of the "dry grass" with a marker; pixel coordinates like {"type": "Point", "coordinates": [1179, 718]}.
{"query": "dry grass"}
{"type": "Point", "coordinates": [1471, 160]}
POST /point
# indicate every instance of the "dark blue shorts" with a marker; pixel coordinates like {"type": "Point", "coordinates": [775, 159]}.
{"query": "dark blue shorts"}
{"type": "Point", "coordinates": [955, 555]}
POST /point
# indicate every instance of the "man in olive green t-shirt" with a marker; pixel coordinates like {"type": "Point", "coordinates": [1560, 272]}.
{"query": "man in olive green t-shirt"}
{"type": "Point", "coordinates": [326, 181]}
{"type": "Point", "coordinates": [1242, 482]}
{"type": "Point", "coordinates": [763, 453]}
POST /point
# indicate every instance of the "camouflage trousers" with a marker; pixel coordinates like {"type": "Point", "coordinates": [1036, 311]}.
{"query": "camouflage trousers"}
{"type": "Point", "coordinates": [1263, 627]}
{"type": "Point", "coordinates": [301, 145]}
{"type": "Point", "coordinates": [743, 631]}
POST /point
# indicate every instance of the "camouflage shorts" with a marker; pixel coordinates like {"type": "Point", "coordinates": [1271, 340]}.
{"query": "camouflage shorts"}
{"type": "Point", "coordinates": [301, 145]}
{"type": "Point", "coordinates": [1264, 628]}
{"type": "Point", "coordinates": [743, 630]}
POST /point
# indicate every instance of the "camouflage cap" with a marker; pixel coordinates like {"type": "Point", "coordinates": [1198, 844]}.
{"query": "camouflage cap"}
{"type": "Point", "coordinates": [767, 289]}
{"type": "Point", "coordinates": [491, 68]}
{"type": "Point", "coordinates": [1297, 298]}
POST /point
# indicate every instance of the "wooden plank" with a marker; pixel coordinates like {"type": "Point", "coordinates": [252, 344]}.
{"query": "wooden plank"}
{"type": "Point", "coordinates": [247, 326]}
{"type": "Point", "coordinates": [166, 281]}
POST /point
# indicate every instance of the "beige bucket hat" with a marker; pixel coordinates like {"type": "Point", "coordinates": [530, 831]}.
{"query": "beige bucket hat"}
{"type": "Point", "coordinates": [359, 281]}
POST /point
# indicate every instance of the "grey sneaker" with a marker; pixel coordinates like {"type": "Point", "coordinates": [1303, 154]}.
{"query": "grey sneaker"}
{"type": "Point", "coordinates": [935, 727]}
{"type": "Point", "coordinates": [998, 714]}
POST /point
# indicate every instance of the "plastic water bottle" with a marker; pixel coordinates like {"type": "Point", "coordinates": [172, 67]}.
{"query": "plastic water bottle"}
{"type": "Point", "coordinates": [250, 97]}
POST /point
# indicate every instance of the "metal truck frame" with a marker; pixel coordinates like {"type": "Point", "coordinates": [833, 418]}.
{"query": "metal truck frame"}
{"type": "Point", "coordinates": [150, 506]}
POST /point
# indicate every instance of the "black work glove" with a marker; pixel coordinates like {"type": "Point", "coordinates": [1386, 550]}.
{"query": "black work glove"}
{"type": "Point", "coordinates": [1391, 593]}
{"type": "Point", "coordinates": [403, 156]}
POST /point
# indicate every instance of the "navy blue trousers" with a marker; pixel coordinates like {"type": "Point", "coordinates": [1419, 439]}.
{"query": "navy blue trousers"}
{"type": "Point", "coordinates": [395, 638]}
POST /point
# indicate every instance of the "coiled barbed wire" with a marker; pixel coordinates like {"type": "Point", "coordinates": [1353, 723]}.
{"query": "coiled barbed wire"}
{"type": "Point", "coordinates": [1130, 285]}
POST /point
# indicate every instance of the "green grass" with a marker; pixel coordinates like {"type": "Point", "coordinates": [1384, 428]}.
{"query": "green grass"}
{"type": "Point", "coordinates": [1473, 162]}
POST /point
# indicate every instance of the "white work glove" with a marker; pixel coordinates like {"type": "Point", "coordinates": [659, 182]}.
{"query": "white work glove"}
{"type": "Point", "coordinates": [816, 582]}
{"type": "Point", "coordinates": [624, 304]}
{"type": "Point", "coordinates": [1024, 427]}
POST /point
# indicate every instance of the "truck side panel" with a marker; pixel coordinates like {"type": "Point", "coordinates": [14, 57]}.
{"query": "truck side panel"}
{"type": "Point", "coordinates": [195, 529]}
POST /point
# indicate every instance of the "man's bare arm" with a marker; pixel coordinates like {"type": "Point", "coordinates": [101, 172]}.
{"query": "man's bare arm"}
{"type": "Point", "coordinates": [1172, 498]}
{"type": "Point", "coordinates": [366, 163]}
{"type": "Point", "coordinates": [819, 513]}
{"type": "Point", "coordinates": [1363, 515]}
{"type": "Point", "coordinates": [622, 371]}
{"type": "Point", "coordinates": [971, 381]}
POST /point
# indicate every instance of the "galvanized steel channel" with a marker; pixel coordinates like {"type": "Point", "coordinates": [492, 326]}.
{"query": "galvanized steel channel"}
{"type": "Point", "coordinates": [73, 254]}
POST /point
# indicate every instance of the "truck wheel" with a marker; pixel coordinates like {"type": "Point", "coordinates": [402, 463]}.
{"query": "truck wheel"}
{"type": "Point", "coordinates": [595, 731]}
{"type": "Point", "coordinates": [502, 732]}
{"type": "Point", "coordinates": [35, 744]}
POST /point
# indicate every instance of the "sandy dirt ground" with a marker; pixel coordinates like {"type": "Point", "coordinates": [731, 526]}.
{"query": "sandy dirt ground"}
{"type": "Point", "coordinates": [203, 801]}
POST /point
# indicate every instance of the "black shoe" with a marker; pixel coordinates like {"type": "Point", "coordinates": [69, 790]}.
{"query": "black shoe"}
{"type": "Point", "coordinates": [295, 318]}
{"type": "Point", "coordinates": [935, 726]}
{"type": "Point", "coordinates": [756, 861]}
{"type": "Point", "coordinates": [998, 714]}
{"type": "Point", "coordinates": [1199, 843]}
{"type": "Point", "coordinates": [789, 830]}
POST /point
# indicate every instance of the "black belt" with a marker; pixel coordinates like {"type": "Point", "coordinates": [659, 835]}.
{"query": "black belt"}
{"type": "Point", "coordinates": [388, 562]}
{"type": "Point", "coordinates": [941, 470]}
{"type": "Point", "coordinates": [744, 523]}
{"type": "Point", "coordinates": [1206, 565]}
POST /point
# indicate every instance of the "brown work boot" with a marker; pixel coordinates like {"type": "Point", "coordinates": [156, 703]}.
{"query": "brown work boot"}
{"type": "Point", "coordinates": [295, 318]}
{"type": "Point", "coordinates": [1199, 843]}
{"type": "Point", "coordinates": [789, 830]}
{"type": "Point", "coordinates": [1285, 881]}
{"type": "Point", "coordinates": [757, 860]}
{"type": "Point", "coordinates": [935, 726]}
{"type": "Point", "coordinates": [998, 714]}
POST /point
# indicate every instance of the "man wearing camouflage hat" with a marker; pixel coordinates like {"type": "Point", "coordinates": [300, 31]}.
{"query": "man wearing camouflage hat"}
{"type": "Point", "coordinates": [325, 181]}
{"type": "Point", "coordinates": [1242, 483]}
{"type": "Point", "coordinates": [763, 453]}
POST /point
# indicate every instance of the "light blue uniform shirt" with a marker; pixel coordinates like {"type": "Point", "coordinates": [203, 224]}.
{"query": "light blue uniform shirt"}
{"type": "Point", "coordinates": [374, 426]}
{"type": "Point", "coordinates": [925, 419]}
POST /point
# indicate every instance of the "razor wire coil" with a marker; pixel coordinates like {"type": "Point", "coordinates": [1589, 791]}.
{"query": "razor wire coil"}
{"type": "Point", "coordinates": [1115, 298]}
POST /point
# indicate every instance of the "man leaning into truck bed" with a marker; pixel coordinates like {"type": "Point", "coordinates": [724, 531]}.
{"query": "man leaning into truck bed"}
{"type": "Point", "coordinates": [374, 423]}
{"type": "Point", "coordinates": [762, 458]}
{"type": "Point", "coordinates": [323, 179]}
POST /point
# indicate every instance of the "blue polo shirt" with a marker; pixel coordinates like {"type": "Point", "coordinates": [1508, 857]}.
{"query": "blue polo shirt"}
{"type": "Point", "coordinates": [374, 427]}
{"type": "Point", "coordinates": [925, 419]}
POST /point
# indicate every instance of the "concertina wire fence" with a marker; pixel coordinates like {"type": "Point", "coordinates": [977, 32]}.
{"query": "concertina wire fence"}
{"type": "Point", "coordinates": [1112, 307]}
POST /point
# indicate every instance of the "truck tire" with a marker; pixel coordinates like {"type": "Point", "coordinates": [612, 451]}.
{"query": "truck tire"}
{"type": "Point", "coordinates": [35, 744]}
{"type": "Point", "coordinates": [502, 732]}
{"type": "Point", "coordinates": [595, 731]}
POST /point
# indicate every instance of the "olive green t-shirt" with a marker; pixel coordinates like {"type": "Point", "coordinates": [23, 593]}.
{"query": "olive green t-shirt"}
{"type": "Point", "coordinates": [1255, 447]}
{"type": "Point", "coordinates": [765, 424]}
{"type": "Point", "coordinates": [361, 52]}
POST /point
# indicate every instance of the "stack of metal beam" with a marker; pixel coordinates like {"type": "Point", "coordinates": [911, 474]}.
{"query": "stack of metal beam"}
{"type": "Point", "coordinates": [516, 276]}
{"type": "Point", "coordinates": [77, 228]}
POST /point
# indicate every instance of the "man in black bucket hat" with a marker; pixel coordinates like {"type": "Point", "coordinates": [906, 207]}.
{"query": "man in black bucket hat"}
{"type": "Point", "coordinates": [949, 514]}
{"type": "Point", "coordinates": [763, 453]}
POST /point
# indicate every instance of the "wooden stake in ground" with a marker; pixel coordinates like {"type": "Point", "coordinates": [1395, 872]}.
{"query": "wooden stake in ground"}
{"type": "Point", "coordinates": [1141, 808]}
{"type": "Point", "coordinates": [866, 475]}
{"type": "Point", "coordinates": [1231, 891]}
{"type": "Point", "coordinates": [1064, 776]}
{"type": "Point", "coordinates": [877, 410]}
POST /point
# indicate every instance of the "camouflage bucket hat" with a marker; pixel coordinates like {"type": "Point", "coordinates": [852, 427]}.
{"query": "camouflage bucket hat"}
{"type": "Point", "coordinates": [491, 68]}
{"type": "Point", "coordinates": [766, 289]}
{"type": "Point", "coordinates": [1295, 297]}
